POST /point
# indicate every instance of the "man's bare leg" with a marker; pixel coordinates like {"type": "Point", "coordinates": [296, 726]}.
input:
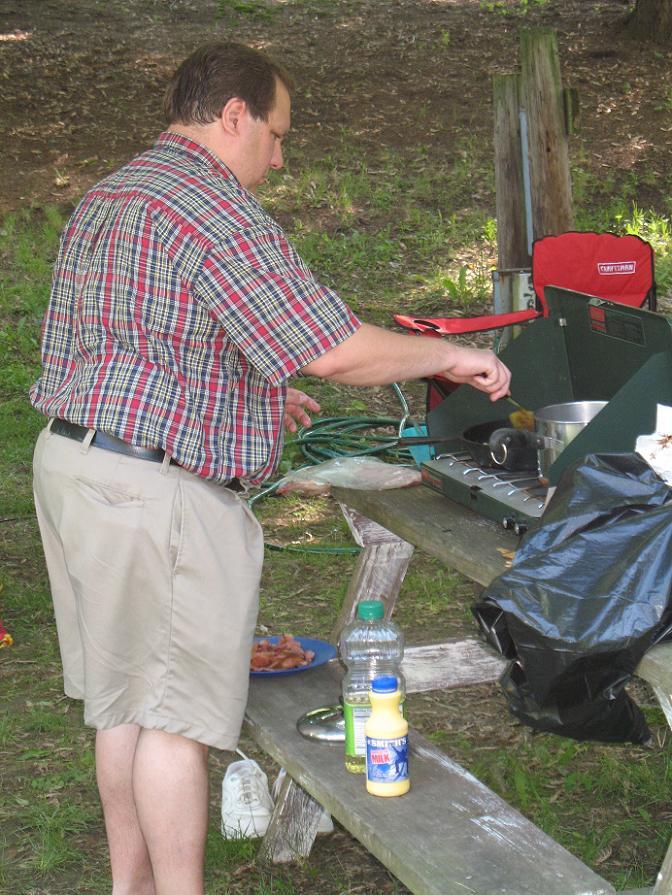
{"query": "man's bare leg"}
{"type": "Point", "coordinates": [131, 867]}
{"type": "Point", "coordinates": [170, 785]}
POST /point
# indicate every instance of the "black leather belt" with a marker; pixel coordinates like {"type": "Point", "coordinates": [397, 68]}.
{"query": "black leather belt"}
{"type": "Point", "coordinates": [118, 446]}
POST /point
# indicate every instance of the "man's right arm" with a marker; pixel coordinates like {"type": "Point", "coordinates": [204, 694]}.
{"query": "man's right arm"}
{"type": "Point", "coordinates": [376, 356]}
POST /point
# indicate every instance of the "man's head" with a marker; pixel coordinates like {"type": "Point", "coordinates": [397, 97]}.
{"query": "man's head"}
{"type": "Point", "coordinates": [218, 72]}
{"type": "Point", "coordinates": [236, 101]}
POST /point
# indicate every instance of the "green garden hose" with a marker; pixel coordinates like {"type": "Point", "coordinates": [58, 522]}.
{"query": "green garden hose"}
{"type": "Point", "coordinates": [345, 436]}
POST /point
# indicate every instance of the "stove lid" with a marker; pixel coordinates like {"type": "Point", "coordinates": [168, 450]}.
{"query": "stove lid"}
{"type": "Point", "coordinates": [605, 343]}
{"type": "Point", "coordinates": [586, 349]}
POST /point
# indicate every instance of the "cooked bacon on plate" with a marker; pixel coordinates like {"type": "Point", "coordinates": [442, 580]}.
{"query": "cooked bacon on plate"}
{"type": "Point", "coordinates": [286, 653]}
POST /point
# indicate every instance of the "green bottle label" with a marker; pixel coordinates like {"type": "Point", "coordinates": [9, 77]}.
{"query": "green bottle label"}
{"type": "Point", "coordinates": [355, 716]}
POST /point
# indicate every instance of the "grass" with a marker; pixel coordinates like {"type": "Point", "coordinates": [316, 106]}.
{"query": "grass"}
{"type": "Point", "coordinates": [377, 224]}
{"type": "Point", "coordinates": [236, 9]}
{"type": "Point", "coordinates": [391, 224]}
{"type": "Point", "coordinates": [511, 7]}
{"type": "Point", "coordinates": [544, 779]}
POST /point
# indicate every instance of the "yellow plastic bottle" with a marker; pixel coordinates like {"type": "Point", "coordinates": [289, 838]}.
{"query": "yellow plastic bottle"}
{"type": "Point", "coordinates": [386, 732]}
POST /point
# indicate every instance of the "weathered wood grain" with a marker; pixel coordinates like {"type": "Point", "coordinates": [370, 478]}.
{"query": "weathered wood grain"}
{"type": "Point", "coordinates": [364, 530]}
{"type": "Point", "coordinates": [293, 826]}
{"type": "Point", "coordinates": [450, 835]}
{"type": "Point", "coordinates": [378, 575]}
{"type": "Point", "coordinates": [455, 663]}
{"type": "Point", "coordinates": [542, 97]}
{"type": "Point", "coordinates": [656, 668]}
{"type": "Point", "coordinates": [456, 535]}
{"type": "Point", "coordinates": [512, 237]}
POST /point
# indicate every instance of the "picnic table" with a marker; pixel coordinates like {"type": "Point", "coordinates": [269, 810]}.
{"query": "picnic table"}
{"type": "Point", "coordinates": [450, 835]}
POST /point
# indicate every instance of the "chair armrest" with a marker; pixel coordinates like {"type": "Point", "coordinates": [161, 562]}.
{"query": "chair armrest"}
{"type": "Point", "coordinates": [446, 326]}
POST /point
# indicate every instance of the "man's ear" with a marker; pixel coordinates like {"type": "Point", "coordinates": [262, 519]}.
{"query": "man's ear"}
{"type": "Point", "coordinates": [232, 113]}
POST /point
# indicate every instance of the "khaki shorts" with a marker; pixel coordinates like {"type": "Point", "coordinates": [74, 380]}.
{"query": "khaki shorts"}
{"type": "Point", "coordinates": [154, 575]}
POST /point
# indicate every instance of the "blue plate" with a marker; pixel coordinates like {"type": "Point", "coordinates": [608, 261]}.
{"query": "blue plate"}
{"type": "Point", "coordinates": [323, 653]}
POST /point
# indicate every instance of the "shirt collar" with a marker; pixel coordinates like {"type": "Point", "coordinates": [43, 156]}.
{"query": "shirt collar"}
{"type": "Point", "coordinates": [179, 144]}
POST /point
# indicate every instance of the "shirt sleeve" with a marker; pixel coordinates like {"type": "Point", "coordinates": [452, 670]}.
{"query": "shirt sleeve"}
{"type": "Point", "coordinates": [269, 303]}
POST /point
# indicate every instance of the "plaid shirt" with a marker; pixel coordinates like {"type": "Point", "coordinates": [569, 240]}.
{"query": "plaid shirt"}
{"type": "Point", "coordinates": [178, 311]}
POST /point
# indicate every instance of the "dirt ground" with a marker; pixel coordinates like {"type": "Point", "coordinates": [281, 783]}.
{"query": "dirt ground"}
{"type": "Point", "coordinates": [81, 85]}
{"type": "Point", "coordinates": [82, 79]}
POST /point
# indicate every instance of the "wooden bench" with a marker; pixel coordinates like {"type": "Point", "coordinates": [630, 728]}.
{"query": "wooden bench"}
{"type": "Point", "coordinates": [450, 835]}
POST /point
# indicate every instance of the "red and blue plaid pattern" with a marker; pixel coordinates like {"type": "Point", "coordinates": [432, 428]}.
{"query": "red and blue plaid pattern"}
{"type": "Point", "coordinates": [178, 311]}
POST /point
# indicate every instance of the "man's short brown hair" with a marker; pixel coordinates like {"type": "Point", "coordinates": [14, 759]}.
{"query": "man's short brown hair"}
{"type": "Point", "coordinates": [217, 72]}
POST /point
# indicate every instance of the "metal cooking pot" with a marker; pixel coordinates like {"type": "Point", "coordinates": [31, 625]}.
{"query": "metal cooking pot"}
{"type": "Point", "coordinates": [555, 426]}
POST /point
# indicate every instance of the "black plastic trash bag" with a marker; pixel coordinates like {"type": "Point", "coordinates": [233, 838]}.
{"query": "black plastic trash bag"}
{"type": "Point", "coordinates": [587, 594]}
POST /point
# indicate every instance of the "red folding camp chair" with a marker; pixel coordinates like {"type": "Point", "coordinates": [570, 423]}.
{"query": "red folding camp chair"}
{"type": "Point", "coordinates": [617, 268]}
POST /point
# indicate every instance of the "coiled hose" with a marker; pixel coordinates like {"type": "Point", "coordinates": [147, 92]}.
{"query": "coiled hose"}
{"type": "Point", "coordinates": [345, 436]}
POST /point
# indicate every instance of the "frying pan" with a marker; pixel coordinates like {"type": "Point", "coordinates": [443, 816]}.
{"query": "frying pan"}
{"type": "Point", "coordinates": [475, 440]}
{"type": "Point", "coordinates": [520, 457]}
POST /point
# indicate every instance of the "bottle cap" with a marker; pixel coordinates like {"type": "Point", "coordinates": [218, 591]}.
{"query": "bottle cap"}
{"type": "Point", "coordinates": [384, 683]}
{"type": "Point", "coordinates": [370, 610]}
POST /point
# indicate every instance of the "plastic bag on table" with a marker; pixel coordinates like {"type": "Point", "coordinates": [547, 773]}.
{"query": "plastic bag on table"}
{"type": "Point", "coordinates": [362, 473]}
{"type": "Point", "coordinates": [587, 594]}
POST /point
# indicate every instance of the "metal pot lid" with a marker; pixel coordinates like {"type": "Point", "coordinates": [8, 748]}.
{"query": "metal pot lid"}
{"type": "Point", "coordinates": [325, 723]}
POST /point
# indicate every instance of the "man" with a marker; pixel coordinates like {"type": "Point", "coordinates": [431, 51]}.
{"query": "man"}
{"type": "Point", "coordinates": [178, 313]}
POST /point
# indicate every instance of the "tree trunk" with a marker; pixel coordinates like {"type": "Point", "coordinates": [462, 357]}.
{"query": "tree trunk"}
{"type": "Point", "coordinates": [652, 20]}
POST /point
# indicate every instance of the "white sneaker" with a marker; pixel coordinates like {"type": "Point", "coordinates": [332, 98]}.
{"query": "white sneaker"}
{"type": "Point", "coordinates": [325, 825]}
{"type": "Point", "coordinates": [246, 802]}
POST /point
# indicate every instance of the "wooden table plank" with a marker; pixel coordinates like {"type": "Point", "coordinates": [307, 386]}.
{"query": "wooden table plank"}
{"type": "Point", "coordinates": [656, 668]}
{"type": "Point", "coordinates": [450, 835]}
{"type": "Point", "coordinates": [456, 535]}
{"type": "Point", "coordinates": [454, 663]}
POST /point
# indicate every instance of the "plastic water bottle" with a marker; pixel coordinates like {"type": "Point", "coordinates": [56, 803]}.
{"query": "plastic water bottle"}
{"type": "Point", "coordinates": [386, 741]}
{"type": "Point", "coordinates": [369, 646]}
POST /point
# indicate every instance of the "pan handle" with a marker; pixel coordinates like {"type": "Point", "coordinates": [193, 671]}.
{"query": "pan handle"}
{"type": "Point", "coordinates": [502, 441]}
{"type": "Point", "coordinates": [410, 440]}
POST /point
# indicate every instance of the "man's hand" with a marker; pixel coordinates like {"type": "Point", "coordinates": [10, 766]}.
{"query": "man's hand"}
{"type": "Point", "coordinates": [295, 405]}
{"type": "Point", "coordinates": [481, 369]}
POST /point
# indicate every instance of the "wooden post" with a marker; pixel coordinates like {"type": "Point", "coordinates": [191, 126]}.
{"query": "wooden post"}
{"type": "Point", "coordinates": [511, 227]}
{"type": "Point", "coordinates": [532, 117]}
{"type": "Point", "coordinates": [543, 99]}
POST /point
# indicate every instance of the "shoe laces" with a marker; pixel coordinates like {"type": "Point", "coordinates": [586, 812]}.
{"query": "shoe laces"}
{"type": "Point", "coordinates": [248, 783]}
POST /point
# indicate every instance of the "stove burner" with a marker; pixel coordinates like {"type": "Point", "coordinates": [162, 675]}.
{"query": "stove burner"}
{"type": "Point", "coordinates": [512, 498]}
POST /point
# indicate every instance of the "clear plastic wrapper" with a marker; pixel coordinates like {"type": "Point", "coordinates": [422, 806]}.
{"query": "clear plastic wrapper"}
{"type": "Point", "coordinates": [362, 473]}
